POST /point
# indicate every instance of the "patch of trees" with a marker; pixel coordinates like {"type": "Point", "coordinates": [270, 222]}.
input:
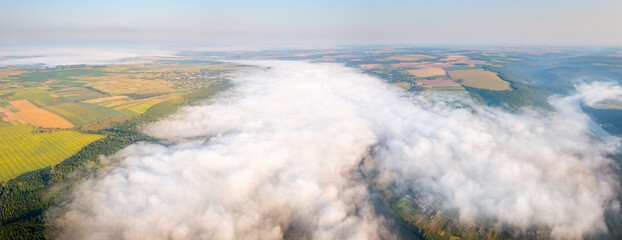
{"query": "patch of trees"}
{"type": "Point", "coordinates": [521, 95]}
{"type": "Point", "coordinates": [97, 90]}
{"type": "Point", "coordinates": [608, 119]}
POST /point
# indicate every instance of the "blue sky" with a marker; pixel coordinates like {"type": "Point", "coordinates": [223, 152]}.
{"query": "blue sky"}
{"type": "Point", "coordinates": [479, 22]}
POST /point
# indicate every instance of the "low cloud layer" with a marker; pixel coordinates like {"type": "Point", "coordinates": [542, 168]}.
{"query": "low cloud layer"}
{"type": "Point", "coordinates": [63, 55]}
{"type": "Point", "coordinates": [276, 157]}
{"type": "Point", "coordinates": [597, 92]}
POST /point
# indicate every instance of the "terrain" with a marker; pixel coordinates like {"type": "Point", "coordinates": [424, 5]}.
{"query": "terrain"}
{"type": "Point", "coordinates": [58, 121]}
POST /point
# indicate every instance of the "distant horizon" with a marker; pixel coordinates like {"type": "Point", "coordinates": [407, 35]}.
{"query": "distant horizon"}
{"type": "Point", "coordinates": [243, 22]}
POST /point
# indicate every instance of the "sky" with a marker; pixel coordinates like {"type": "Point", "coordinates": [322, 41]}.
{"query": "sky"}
{"type": "Point", "coordinates": [320, 22]}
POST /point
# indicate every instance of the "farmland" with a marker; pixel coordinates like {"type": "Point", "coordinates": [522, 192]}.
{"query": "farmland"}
{"type": "Point", "coordinates": [82, 113]}
{"type": "Point", "coordinates": [39, 117]}
{"type": "Point", "coordinates": [34, 99]}
{"type": "Point", "coordinates": [480, 78]}
{"type": "Point", "coordinates": [427, 72]}
{"type": "Point", "coordinates": [23, 150]}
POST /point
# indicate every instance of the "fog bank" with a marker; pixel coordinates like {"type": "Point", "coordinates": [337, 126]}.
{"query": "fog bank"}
{"type": "Point", "coordinates": [277, 156]}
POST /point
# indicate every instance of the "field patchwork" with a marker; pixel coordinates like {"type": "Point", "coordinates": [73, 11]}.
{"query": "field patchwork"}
{"type": "Point", "coordinates": [23, 150]}
{"type": "Point", "coordinates": [39, 117]}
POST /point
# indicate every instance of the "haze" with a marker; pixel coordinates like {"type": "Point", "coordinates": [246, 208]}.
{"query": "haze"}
{"type": "Point", "coordinates": [481, 22]}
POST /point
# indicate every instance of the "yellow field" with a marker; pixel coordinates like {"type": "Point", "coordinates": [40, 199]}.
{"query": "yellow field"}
{"type": "Point", "coordinates": [137, 106]}
{"type": "Point", "coordinates": [426, 72]}
{"type": "Point", "coordinates": [23, 150]}
{"type": "Point", "coordinates": [105, 99]}
{"type": "Point", "coordinates": [405, 85]}
{"type": "Point", "coordinates": [479, 78]}
{"type": "Point", "coordinates": [39, 117]}
{"type": "Point", "coordinates": [370, 66]}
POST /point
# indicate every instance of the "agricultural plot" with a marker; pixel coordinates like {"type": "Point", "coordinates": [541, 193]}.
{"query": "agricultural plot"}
{"type": "Point", "coordinates": [427, 72]}
{"type": "Point", "coordinates": [77, 94]}
{"type": "Point", "coordinates": [22, 150]}
{"type": "Point", "coordinates": [39, 117]}
{"type": "Point", "coordinates": [370, 66]}
{"type": "Point", "coordinates": [479, 78]}
{"type": "Point", "coordinates": [83, 113]}
{"type": "Point", "coordinates": [49, 101]}
{"type": "Point", "coordinates": [124, 83]}
{"type": "Point", "coordinates": [26, 93]}
{"type": "Point", "coordinates": [63, 75]}
{"type": "Point", "coordinates": [405, 85]}
{"type": "Point", "coordinates": [140, 106]}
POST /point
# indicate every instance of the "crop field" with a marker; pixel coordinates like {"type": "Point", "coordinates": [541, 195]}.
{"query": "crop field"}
{"type": "Point", "coordinates": [25, 93]}
{"type": "Point", "coordinates": [78, 94]}
{"type": "Point", "coordinates": [106, 99]}
{"type": "Point", "coordinates": [405, 85]}
{"type": "Point", "coordinates": [83, 113]}
{"type": "Point", "coordinates": [129, 83]}
{"type": "Point", "coordinates": [427, 72]}
{"type": "Point", "coordinates": [7, 72]}
{"type": "Point", "coordinates": [49, 101]}
{"type": "Point", "coordinates": [39, 117]}
{"type": "Point", "coordinates": [63, 75]}
{"type": "Point", "coordinates": [370, 66]}
{"type": "Point", "coordinates": [140, 106]}
{"type": "Point", "coordinates": [479, 78]}
{"type": "Point", "coordinates": [23, 150]}
{"type": "Point", "coordinates": [86, 97]}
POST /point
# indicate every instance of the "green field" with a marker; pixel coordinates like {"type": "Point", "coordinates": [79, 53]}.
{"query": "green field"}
{"type": "Point", "coordinates": [25, 94]}
{"type": "Point", "coordinates": [48, 101]}
{"type": "Point", "coordinates": [23, 150]}
{"type": "Point", "coordinates": [79, 94]}
{"type": "Point", "coordinates": [65, 75]}
{"type": "Point", "coordinates": [83, 113]}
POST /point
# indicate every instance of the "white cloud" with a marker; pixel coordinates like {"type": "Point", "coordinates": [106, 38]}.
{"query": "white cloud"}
{"type": "Point", "coordinates": [65, 55]}
{"type": "Point", "coordinates": [275, 156]}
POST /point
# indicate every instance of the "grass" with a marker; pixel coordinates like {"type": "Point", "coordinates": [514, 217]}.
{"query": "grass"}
{"type": "Point", "coordinates": [83, 113]}
{"type": "Point", "coordinates": [22, 150]}
{"type": "Point", "coordinates": [479, 78]}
